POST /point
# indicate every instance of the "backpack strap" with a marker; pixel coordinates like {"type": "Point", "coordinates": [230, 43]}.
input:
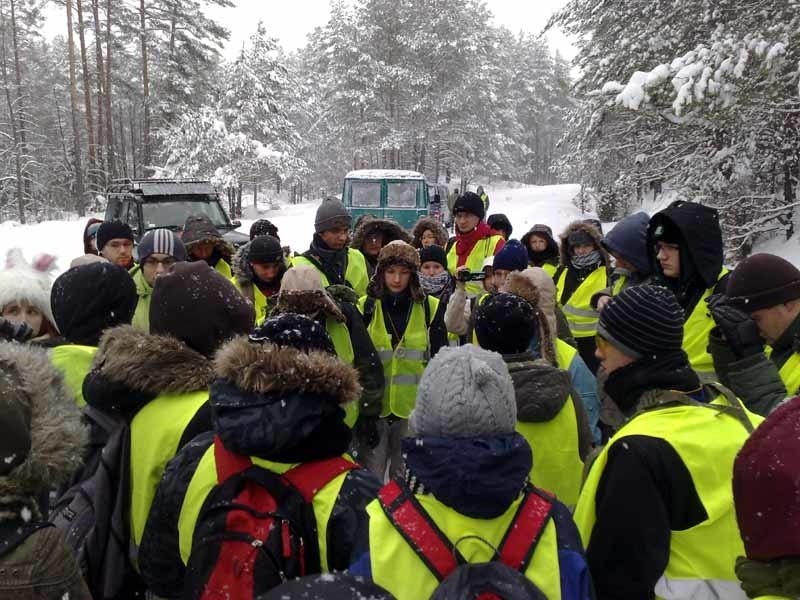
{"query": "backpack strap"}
{"type": "Point", "coordinates": [418, 530]}
{"type": "Point", "coordinates": [309, 478]}
{"type": "Point", "coordinates": [523, 534]}
{"type": "Point", "coordinates": [228, 463]}
{"type": "Point", "coordinates": [449, 245]}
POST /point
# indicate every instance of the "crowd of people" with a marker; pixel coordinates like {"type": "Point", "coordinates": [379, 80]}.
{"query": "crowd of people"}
{"type": "Point", "coordinates": [414, 414]}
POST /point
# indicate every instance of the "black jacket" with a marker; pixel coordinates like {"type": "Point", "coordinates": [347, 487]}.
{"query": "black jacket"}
{"type": "Point", "coordinates": [396, 313]}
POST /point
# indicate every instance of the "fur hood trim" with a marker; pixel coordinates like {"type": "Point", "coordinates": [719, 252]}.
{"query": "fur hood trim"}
{"type": "Point", "coordinates": [241, 269]}
{"type": "Point", "coordinates": [57, 434]}
{"type": "Point", "coordinates": [429, 223]}
{"type": "Point", "coordinates": [308, 302]}
{"type": "Point", "coordinates": [268, 369]}
{"type": "Point", "coordinates": [397, 253]}
{"type": "Point", "coordinates": [574, 227]}
{"type": "Point", "coordinates": [226, 249]}
{"type": "Point", "coordinates": [391, 231]}
{"type": "Point", "coordinates": [154, 364]}
{"type": "Point", "coordinates": [537, 287]}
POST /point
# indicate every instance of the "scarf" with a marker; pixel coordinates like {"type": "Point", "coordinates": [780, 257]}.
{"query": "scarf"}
{"type": "Point", "coordinates": [435, 285]}
{"type": "Point", "coordinates": [333, 262]}
{"type": "Point", "coordinates": [465, 242]}
{"type": "Point", "coordinates": [587, 260]}
{"type": "Point", "coordinates": [780, 577]}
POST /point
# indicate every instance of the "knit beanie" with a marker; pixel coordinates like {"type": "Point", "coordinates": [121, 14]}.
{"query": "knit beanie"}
{"type": "Point", "coordinates": [500, 222]}
{"type": "Point", "coordinates": [15, 420]}
{"type": "Point", "coordinates": [331, 214]}
{"type": "Point", "coordinates": [113, 230]}
{"type": "Point", "coordinates": [762, 281]}
{"type": "Point", "coordinates": [160, 241]}
{"type": "Point", "coordinates": [471, 203]}
{"type": "Point", "coordinates": [465, 392]}
{"type": "Point", "coordinates": [89, 299]}
{"type": "Point", "coordinates": [198, 306]}
{"type": "Point", "coordinates": [265, 250]}
{"type": "Point", "coordinates": [294, 331]}
{"type": "Point", "coordinates": [644, 320]}
{"type": "Point", "coordinates": [766, 486]}
{"type": "Point", "coordinates": [505, 323]}
{"type": "Point", "coordinates": [263, 227]}
{"type": "Point", "coordinates": [433, 253]}
{"type": "Point", "coordinates": [512, 257]}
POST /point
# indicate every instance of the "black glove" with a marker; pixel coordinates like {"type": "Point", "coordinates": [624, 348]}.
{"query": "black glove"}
{"type": "Point", "coordinates": [366, 432]}
{"type": "Point", "coordinates": [11, 331]}
{"type": "Point", "coordinates": [343, 293]}
{"type": "Point", "coordinates": [736, 327]}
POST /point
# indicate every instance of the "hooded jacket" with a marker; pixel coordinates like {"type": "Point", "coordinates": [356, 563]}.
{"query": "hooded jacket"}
{"type": "Point", "coordinates": [551, 254]}
{"type": "Point", "coordinates": [390, 229]}
{"type": "Point", "coordinates": [574, 277]}
{"type": "Point", "coordinates": [199, 229]}
{"type": "Point", "coordinates": [278, 405]}
{"type": "Point", "coordinates": [35, 562]}
{"type": "Point", "coordinates": [246, 281]}
{"type": "Point", "coordinates": [429, 224]}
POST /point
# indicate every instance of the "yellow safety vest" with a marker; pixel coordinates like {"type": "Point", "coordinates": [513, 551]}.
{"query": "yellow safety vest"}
{"type": "Point", "coordinates": [565, 354]}
{"type": "Point", "coordinates": [619, 285]}
{"type": "Point", "coordinates": [549, 268]}
{"type": "Point", "coordinates": [399, 570]}
{"type": "Point", "coordinates": [695, 337]}
{"type": "Point", "coordinates": [478, 301]}
{"type": "Point", "coordinates": [790, 374]}
{"type": "Point", "coordinates": [355, 273]}
{"type": "Point", "coordinates": [223, 268]}
{"type": "Point", "coordinates": [483, 249]}
{"type": "Point", "coordinates": [582, 318]}
{"type": "Point", "coordinates": [702, 559]}
{"type": "Point", "coordinates": [340, 336]}
{"type": "Point", "coordinates": [156, 431]}
{"type": "Point", "coordinates": [258, 299]}
{"type": "Point", "coordinates": [141, 318]}
{"type": "Point", "coordinates": [74, 362]}
{"type": "Point", "coordinates": [204, 480]}
{"type": "Point", "coordinates": [403, 365]}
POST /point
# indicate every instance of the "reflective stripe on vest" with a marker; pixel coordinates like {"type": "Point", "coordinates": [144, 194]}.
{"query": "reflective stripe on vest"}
{"type": "Point", "coordinates": [74, 363]}
{"type": "Point", "coordinates": [355, 274]}
{"type": "Point", "coordinates": [582, 318]}
{"type": "Point", "coordinates": [403, 365]}
{"type": "Point", "coordinates": [393, 560]}
{"type": "Point", "coordinates": [204, 480]}
{"type": "Point", "coordinates": [480, 252]}
{"type": "Point", "coordinates": [695, 337]}
{"type": "Point", "coordinates": [707, 442]}
{"type": "Point", "coordinates": [790, 374]}
{"type": "Point", "coordinates": [343, 345]}
{"type": "Point", "coordinates": [156, 431]}
{"type": "Point", "coordinates": [565, 354]}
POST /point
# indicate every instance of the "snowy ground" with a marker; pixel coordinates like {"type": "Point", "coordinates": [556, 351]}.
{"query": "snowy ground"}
{"type": "Point", "coordinates": [524, 206]}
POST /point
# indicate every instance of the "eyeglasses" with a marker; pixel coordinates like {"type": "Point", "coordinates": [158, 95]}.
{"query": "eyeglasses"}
{"type": "Point", "coordinates": [153, 262]}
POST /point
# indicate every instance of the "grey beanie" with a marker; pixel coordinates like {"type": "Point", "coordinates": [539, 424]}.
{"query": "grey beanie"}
{"type": "Point", "coordinates": [160, 241]}
{"type": "Point", "coordinates": [465, 392]}
{"type": "Point", "coordinates": [331, 213]}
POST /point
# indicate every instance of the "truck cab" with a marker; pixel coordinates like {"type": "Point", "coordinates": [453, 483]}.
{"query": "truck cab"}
{"type": "Point", "coordinates": [387, 194]}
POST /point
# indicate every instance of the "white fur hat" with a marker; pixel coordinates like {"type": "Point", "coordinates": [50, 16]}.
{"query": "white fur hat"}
{"type": "Point", "coordinates": [31, 282]}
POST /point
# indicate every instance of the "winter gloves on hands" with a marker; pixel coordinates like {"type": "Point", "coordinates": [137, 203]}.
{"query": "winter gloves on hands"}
{"type": "Point", "coordinates": [736, 327]}
{"type": "Point", "coordinates": [15, 332]}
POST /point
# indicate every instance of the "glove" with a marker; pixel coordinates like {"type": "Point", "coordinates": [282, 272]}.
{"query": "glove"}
{"type": "Point", "coordinates": [366, 432]}
{"type": "Point", "coordinates": [736, 327]}
{"type": "Point", "coordinates": [342, 293]}
{"type": "Point", "coordinates": [12, 331]}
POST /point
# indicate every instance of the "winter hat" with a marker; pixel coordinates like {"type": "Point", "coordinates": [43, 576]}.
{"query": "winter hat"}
{"type": "Point", "coordinates": [433, 253]}
{"type": "Point", "coordinates": [86, 259]}
{"type": "Point", "coordinates": [762, 281]}
{"type": "Point", "coordinates": [766, 488]}
{"type": "Point", "coordinates": [265, 250]}
{"type": "Point", "coordinates": [89, 299]}
{"type": "Point", "coordinates": [429, 224]}
{"type": "Point", "coordinates": [543, 230]}
{"type": "Point", "coordinates": [396, 253]}
{"type": "Point", "coordinates": [199, 228]}
{"type": "Point", "coordinates": [15, 421]}
{"type": "Point", "coordinates": [160, 241]}
{"type": "Point", "coordinates": [263, 227]}
{"type": "Point", "coordinates": [294, 331]}
{"type": "Point", "coordinates": [198, 306]}
{"type": "Point", "coordinates": [330, 214]}
{"type": "Point", "coordinates": [537, 287]}
{"type": "Point", "coordinates": [113, 230]}
{"type": "Point", "coordinates": [89, 233]}
{"type": "Point", "coordinates": [644, 320]}
{"type": "Point", "coordinates": [505, 323]}
{"type": "Point", "coordinates": [580, 237]}
{"type": "Point", "coordinates": [23, 281]}
{"type": "Point", "coordinates": [513, 257]}
{"type": "Point", "coordinates": [596, 224]}
{"type": "Point", "coordinates": [471, 203]}
{"type": "Point", "coordinates": [629, 240]}
{"type": "Point", "coordinates": [500, 222]}
{"type": "Point", "coordinates": [302, 292]}
{"type": "Point", "coordinates": [465, 392]}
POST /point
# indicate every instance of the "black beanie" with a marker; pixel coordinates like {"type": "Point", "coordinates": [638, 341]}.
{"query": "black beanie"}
{"type": "Point", "coordinates": [433, 253]}
{"type": "Point", "coordinates": [263, 227]}
{"type": "Point", "coordinates": [294, 331]}
{"type": "Point", "coordinates": [470, 202]}
{"type": "Point", "coordinates": [265, 250]}
{"type": "Point", "coordinates": [762, 281]}
{"type": "Point", "coordinates": [505, 323]}
{"type": "Point", "coordinates": [500, 222]}
{"type": "Point", "coordinates": [643, 320]}
{"type": "Point", "coordinates": [113, 230]}
{"type": "Point", "coordinates": [88, 299]}
{"type": "Point", "coordinates": [198, 306]}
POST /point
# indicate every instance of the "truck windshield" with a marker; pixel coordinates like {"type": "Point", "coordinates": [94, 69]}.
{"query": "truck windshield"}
{"type": "Point", "coordinates": [365, 194]}
{"type": "Point", "coordinates": [402, 194]}
{"type": "Point", "coordinates": [173, 213]}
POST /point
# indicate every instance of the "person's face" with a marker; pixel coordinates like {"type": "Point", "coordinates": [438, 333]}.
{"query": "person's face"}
{"type": "Point", "coordinates": [118, 251]}
{"type": "Point", "coordinates": [773, 321]}
{"type": "Point", "coordinates": [336, 238]}
{"type": "Point", "coordinates": [622, 263]}
{"type": "Point", "coordinates": [582, 249]}
{"type": "Point", "coordinates": [203, 250]}
{"type": "Point", "coordinates": [427, 239]}
{"type": "Point", "coordinates": [431, 268]}
{"type": "Point", "coordinates": [669, 257]}
{"type": "Point", "coordinates": [610, 357]}
{"type": "Point", "coordinates": [466, 222]}
{"type": "Point", "coordinates": [397, 278]}
{"type": "Point", "coordinates": [266, 272]}
{"type": "Point", "coordinates": [373, 243]}
{"type": "Point", "coordinates": [538, 243]}
{"type": "Point", "coordinates": [24, 312]}
{"type": "Point", "coordinates": [499, 277]}
{"type": "Point", "coordinates": [156, 265]}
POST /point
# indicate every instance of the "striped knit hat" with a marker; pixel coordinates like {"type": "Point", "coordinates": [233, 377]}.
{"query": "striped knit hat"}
{"type": "Point", "coordinates": [644, 320]}
{"type": "Point", "coordinates": [160, 241]}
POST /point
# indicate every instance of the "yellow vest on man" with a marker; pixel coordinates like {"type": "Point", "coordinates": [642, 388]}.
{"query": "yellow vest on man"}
{"type": "Point", "coordinates": [482, 250]}
{"type": "Point", "coordinates": [355, 273]}
{"type": "Point", "coordinates": [582, 318]}
{"type": "Point", "coordinates": [74, 362]}
{"type": "Point", "coordinates": [342, 344]}
{"type": "Point", "coordinates": [695, 337]}
{"type": "Point", "coordinates": [790, 374]}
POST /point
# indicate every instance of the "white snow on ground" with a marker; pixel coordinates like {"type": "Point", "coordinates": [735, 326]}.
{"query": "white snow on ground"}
{"type": "Point", "coordinates": [524, 206]}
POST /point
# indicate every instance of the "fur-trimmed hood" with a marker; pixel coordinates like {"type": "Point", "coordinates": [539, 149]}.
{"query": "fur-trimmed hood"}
{"type": "Point", "coordinates": [429, 223]}
{"type": "Point", "coordinates": [397, 253]}
{"type": "Point", "coordinates": [540, 388]}
{"type": "Point", "coordinates": [199, 229]}
{"type": "Point", "coordinates": [588, 228]}
{"type": "Point", "coordinates": [391, 231]}
{"type": "Point", "coordinates": [537, 287]}
{"type": "Point", "coordinates": [57, 435]}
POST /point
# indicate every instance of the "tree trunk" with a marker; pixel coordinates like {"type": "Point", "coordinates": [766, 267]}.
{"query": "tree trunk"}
{"type": "Point", "coordinates": [80, 204]}
{"type": "Point", "coordinates": [87, 96]}
{"type": "Point", "coordinates": [110, 153]}
{"type": "Point", "coordinates": [12, 118]}
{"type": "Point", "coordinates": [101, 139]}
{"type": "Point", "coordinates": [132, 124]}
{"type": "Point", "coordinates": [123, 152]}
{"type": "Point", "coordinates": [255, 196]}
{"type": "Point", "coordinates": [145, 89]}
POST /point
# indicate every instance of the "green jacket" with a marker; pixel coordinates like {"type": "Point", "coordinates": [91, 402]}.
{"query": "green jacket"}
{"type": "Point", "coordinates": [141, 318]}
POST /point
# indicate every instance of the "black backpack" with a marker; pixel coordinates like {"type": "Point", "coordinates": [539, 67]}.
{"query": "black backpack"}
{"type": "Point", "coordinates": [93, 512]}
{"type": "Point", "coordinates": [500, 579]}
{"type": "Point", "coordinates": [256, 529]}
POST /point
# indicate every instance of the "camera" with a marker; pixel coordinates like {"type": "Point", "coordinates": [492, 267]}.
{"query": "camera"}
{"type": "Point", "coordinates": [470, 276]}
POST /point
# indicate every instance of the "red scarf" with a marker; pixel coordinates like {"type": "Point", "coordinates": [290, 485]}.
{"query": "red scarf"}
{"type": "Point", "coordinates": [465, 242]}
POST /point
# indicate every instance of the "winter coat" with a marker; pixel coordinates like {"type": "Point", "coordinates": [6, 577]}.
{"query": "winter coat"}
{"type": "Point", "coordinates": [141, 318]}
{"type": "Point", "coordinates": [573, 277]}
{"type": "Point", "coordinates": [87, 241]}
{"type": "Point", "coordinates": [551, 255]}
{"type": "Point", "coordinates": [628, 238]}
{"type": "Point", "coordinates": [390, 229]}
{"type": "Point", "coordinates": [277, 405]}
{"type": "Point", "coordinates": [245, 280]}
{"type": "Point", "coordinates": [35, 562]}
{"type": "Point", "coordinates": [429, 224]}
